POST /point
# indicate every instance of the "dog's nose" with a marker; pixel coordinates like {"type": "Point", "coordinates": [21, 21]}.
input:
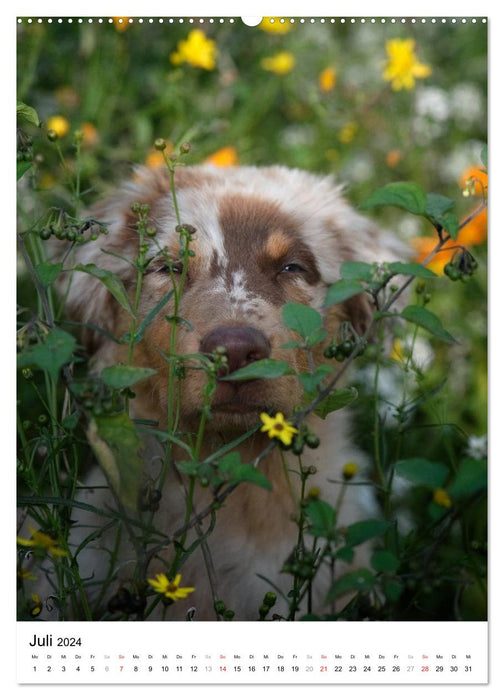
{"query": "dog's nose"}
{"type": "Point", "coordinates": [243, 345]}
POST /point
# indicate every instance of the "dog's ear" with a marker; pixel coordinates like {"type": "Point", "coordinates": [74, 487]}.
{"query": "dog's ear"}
{"type": "Point", "coordinates": [375, 246]}
{"type": "Point", "coordinates": [355, 238]}
{"type": "Point", "coordinates": [87, 298]}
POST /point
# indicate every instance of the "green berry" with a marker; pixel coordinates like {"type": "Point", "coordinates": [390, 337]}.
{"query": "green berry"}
{"type": "Point", "coordinates": [313, 441]}
{"type": "Point", "coordinates": [347, 347]}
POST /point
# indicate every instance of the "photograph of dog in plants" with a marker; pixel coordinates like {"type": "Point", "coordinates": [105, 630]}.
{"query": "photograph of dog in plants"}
{"type": "Point", "coordinates": [252, 303]}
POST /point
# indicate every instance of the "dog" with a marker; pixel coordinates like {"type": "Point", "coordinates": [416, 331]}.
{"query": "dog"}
{"type": "Point", "coordinates": [261, 237]}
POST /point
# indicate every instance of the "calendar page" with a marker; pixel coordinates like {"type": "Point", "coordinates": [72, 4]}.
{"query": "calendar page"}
{"type": "Point", "coordinates": [252, 349]}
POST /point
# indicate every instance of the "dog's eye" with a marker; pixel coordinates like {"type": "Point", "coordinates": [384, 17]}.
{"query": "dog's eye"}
{"type": "Point", "coordinates": [292, 268]}
{"type": "Point", "coordinates": [175, 267]}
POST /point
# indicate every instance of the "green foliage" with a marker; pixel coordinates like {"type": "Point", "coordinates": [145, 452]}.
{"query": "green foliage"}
{"type": "Point", "coordinates": [122, 376]}
{"type": "Point", "coordinates": [420, 316]}
{"type": "Point", "coordinates": [422, 471]}
{"type": "Point", "coordinates": [54, 350]}
{"type": "Point", "coordinates": [117, 446]}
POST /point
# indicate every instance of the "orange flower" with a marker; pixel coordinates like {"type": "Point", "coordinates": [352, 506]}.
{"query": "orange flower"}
{"type": "Point", "coordinates": [155, 158]}
{"type": "Point", "coordinates": [121, 23]}
{"type": "Point", "coordinates": [89, 134]}
{"type": "Point", "coordinates": [473, 233]}
{"type": "Point", "coordinates": [474, 181]}
{"type": "Point", "coordinates": [327, 79]}
{"type": "Point", "coordinates": [393, 157]}
{"type": "Point", "coordinates": [224, 157]}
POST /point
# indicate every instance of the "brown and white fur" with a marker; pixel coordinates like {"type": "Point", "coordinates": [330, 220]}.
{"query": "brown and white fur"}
{"type": "Point", "coordinates": [264, 237]}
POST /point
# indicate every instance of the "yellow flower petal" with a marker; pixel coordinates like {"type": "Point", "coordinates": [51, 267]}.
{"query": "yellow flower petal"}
{"type": "Point", "coordinates": [275, 27]}
{"type": "Point", "coordinates": [278, 427]}
{"type": "Point", "coordinates": [224, 157]}
{"type": "Point", "coordinates": [58, 124]}
{"type": "Point", "coordinates": [280, 64]}
{"type": "Point", "coordinates": [327, 79]}
{"type": "Point", "coordinates": [196, 50]}
{"type": "Point", "coordinates": [403, 66]}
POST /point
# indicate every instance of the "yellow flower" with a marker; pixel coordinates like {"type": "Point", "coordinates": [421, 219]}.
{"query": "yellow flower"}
{"type": "Point", "coordinates": [40, 540]}
{"type": "Point", "coordinates": [36, 607]}
{"type": "Point", "coordinates": [275, 27]}
{"type": "Point", "coordinates": [327, 79]}
{"type": "Point", "coordinates": [170, 589]}
{"type": "Point", "coordinates": [441, 498]}
{"type": "Point", "coordinates": [196, 50]}
{"type": "Point", "coordinates": [281, 63]}
{"type": "Point", "coordinates": [224, 157]}
{"type": "Point", "coordinates": [121, 23]}
{"type": "Point", "coordinates": [278, 427]}
{"type": "Point", "coordinates": [24, 574]}
{"type": "Point", "coordinates": [350, 469]}
{"type": "Point", "coordinates": [403, 66]}
{"type": "Point", "coordinates": [58, 124]}
{"type": "Point", "coordinates": [397, 353]}
{"type": "Point", "coordinates": [348, 132]}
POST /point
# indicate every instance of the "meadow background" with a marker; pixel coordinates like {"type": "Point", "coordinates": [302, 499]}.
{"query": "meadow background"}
{"type": "Point", "coordinates": [371, 103]}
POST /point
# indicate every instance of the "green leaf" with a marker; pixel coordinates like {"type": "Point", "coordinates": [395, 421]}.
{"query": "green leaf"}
{"type": "Point", "coordinates": [22, 167]}
{"type": "Point", "coordinates": [322, 517]}
{"type": "Point", "coordinates": [471, 478]}
{"type": "Point", "coordinates": [262, 369]}
{"type": "Point", "coordinates": [421, 317]}
{"type": "Point", "coordinates": [484, 156]}
{"type": "Point", "coordinates": [360, 581]}
{"type": "Point", "coordinates": [383, 560]}
{"type": "Point", "coordinates": [422, 471]}
{"type": "Point", "coordinates": [342, 290]}
{"type": "Point", "coordinates": [335, 401]}
{"type": "Point", "coordinates": [357, 271]}
{"type": "Point", "coordinates": [393, 590]}
{"type": "Point", "coordinates": [235, 472]}
{"type": "Point", "coordinates": [122, 376]}
{"type": "Point", "coordinates": [51, 353]}
{"type": "Point", "coordinates": [450, 224]}
{"type": "Point", "coordinates": [312, 380]}
{"type": "Point", "coordinates": [438, 205]}
{"type": "Point", "coordinates": [28, 114]}
{"type": "Point", "coordinates": [365, 530]}
{"type": "Point", "coordinates": [302, 319]}
{"type": "Point", "coordinates": [111, 281]}
{"type": "Point", "coordinates": [404, 195]}
{"type": "Point", "coordinates": [413, 268]}
{"type": "Point", "coordinates": [115, 442]}
{"type": "Point", "coordinates": [48, 272]}
{"type": "Point", "coordinates": [140, 331]}
{"type": "Point", "coordinates": [346, 554]}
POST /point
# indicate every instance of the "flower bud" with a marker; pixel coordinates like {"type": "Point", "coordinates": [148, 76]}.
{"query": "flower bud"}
{"type": "Point", "coordinates": [349, 470]}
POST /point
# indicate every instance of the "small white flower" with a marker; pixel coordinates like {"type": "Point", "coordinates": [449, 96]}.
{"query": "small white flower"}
{"type": "Point", "coordinates": [433, 102]}
{"type": "Point", "coordinates": [477, 446]}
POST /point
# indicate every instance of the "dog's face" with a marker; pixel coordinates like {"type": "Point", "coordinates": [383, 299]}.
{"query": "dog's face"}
{"type": "Point", "coordinates": [263, 237]}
